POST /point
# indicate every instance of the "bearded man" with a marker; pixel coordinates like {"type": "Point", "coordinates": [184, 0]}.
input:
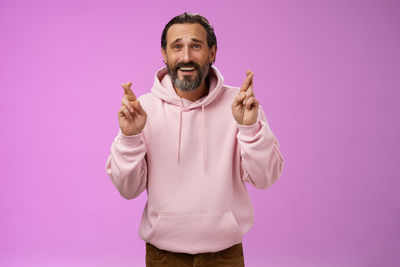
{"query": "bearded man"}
{"type": "Point", "coordinates": [193, 143]}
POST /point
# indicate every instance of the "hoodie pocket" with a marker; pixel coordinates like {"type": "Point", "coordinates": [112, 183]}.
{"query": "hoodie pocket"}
{"type": "Point", "coordinates": [197, 232]}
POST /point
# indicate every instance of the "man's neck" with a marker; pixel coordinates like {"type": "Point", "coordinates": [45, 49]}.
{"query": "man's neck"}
{"type": "Point", "coordinates": [196, 94]}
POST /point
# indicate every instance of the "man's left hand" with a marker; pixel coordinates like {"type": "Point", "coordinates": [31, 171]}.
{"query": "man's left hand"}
{"type": "Point", "coordinates": [245, 105]}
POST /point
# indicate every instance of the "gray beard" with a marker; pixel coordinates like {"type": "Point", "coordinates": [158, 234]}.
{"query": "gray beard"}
{"type": "Point", "coordinates": [186, 85]}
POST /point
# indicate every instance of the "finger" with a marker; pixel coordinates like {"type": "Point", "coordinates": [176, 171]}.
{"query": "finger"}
{"type": "Point", "coordinates": [248, 81]}
{"type": "Point", "coordinates": [124, 112]}
{"type": "Point", "coordinates": [126, 86]}
{"type": "Point", "coordinates": [238, 99]}
{"type": "Point", "coordinates": [128, 91]}
{"type": "Point", "coordinates": [251, 82]}
{"type": "Point", "coordinates": [251, 101]}
{"type": "Point", "coordinates": [125, 102]}
{"type": "Point", "coordinates": [249, 92]}
{"type": "Point", "coordinates": [138, 108]}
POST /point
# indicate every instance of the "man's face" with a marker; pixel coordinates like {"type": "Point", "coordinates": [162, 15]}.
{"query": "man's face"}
{"type": "Point", "coordinates": [187, 55]}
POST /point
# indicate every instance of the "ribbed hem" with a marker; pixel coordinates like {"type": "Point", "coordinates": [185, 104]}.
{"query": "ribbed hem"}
{"type": "Point", "coordinates": [249, 130]}
{"type": "Point", "coordinates": [130, 140]}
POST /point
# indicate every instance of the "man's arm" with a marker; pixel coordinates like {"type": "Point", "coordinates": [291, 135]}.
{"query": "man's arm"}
{"type": "Point", "coordinates": [126, 164]}
{"type": "Point", "coordinates": [261, 160]}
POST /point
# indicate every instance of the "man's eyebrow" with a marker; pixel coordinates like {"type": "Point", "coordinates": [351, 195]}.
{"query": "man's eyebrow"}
{"type": "Point", "coordinates": [193, 39]}
{"type": "Point", "coordinates": [197, 40]}
{"type": "Point", "coordinates": [177, 40]}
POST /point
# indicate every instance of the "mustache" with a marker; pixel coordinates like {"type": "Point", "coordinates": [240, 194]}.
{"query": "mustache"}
{"type": "Point", "coordinates": [187, 64]}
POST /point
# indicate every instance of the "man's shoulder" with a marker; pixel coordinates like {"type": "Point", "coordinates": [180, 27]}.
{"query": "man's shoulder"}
{"type": "Point", "coordinates": [148, 100]}
{"type": "Point", "coordinates": [229, 91]}
{"type": "Point", "coordinates": [148, 97]}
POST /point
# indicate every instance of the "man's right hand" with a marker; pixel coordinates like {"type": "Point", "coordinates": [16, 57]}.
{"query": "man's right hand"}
{"type": "Point", "coordinates": [131, 115]}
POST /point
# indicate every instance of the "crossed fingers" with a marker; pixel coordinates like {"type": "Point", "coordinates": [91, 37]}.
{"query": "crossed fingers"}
{"type": "Point", "coordinates": [130, 105]}
{"type": "Point", "coordinates": [247, 92]}
{"type": "Point", "coordinates": [129, 97]}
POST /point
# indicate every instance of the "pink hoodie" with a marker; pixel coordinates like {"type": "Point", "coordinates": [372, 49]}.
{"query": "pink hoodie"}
{"type": "Point", "coordinates": [193, 159]}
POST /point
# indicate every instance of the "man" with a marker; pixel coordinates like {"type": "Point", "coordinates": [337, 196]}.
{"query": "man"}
{"type": "Point", "coordinates": [192, 143]}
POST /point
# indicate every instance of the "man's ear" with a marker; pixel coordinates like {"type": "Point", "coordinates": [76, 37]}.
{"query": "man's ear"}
{"type": "Point", "coordinates": [164, 55]}
{"type": "Point", "coordinates": [213, 54]}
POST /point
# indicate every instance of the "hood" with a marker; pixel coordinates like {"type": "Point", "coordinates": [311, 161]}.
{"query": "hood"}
{"type": "Point", "coordinates": [163, 89]}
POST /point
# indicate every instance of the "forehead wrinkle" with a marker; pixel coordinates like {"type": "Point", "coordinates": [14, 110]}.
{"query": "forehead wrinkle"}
{"type": "Point", "coordinates": [181, 32]}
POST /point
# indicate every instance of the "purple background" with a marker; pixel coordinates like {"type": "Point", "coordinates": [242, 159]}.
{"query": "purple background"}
{"type": "Point", "coordinates": [326, 74]}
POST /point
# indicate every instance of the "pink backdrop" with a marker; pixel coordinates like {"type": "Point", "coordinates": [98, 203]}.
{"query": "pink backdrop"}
{"type": "Point", "coordinates": [326, 73]}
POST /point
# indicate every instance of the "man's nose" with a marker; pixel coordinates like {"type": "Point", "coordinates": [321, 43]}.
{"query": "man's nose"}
{"type": "Point", "coordinates": [186, 57]}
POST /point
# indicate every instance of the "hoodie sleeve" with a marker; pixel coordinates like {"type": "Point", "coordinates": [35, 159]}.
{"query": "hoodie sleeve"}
{"type": "Point", "coordinates": [127, 165]}
{"type": "Point", "coordinates": [261, 161]}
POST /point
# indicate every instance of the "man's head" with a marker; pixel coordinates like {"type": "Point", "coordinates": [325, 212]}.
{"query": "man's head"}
{"type": "Point", "coordinates": [189, 47]}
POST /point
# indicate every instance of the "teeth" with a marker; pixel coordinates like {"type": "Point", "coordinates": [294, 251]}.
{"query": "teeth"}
{"type": "Point", "coordinates": [186, 68]}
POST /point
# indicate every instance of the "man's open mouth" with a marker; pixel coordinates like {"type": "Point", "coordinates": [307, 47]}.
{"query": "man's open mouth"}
{"type": "Point", "coordinates": [187, 69]}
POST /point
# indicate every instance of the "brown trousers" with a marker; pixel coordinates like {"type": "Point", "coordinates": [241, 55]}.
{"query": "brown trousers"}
{"type": "Point", "coordinates": [232, 257]}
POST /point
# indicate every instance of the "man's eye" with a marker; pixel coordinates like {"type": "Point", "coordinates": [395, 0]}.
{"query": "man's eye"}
{"type": "Point", "coordinates": [176, 47]}
{"type": "Point", "coordinates": [196, 46]}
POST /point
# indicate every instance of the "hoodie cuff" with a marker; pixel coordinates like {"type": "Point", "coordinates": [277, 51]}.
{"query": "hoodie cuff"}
{"type": "Point", "coordinates": [130, 140]}
{"type": "Point", "coordinates": [249, 130]}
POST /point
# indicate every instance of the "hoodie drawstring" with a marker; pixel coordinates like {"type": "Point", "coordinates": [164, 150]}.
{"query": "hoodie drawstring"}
{"type": "Point", "coordinates": [204, 138]}
{"type": "Point", "coordinates": [180, 131]}
{"type": "Point", "coordinates": [178, 154]}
